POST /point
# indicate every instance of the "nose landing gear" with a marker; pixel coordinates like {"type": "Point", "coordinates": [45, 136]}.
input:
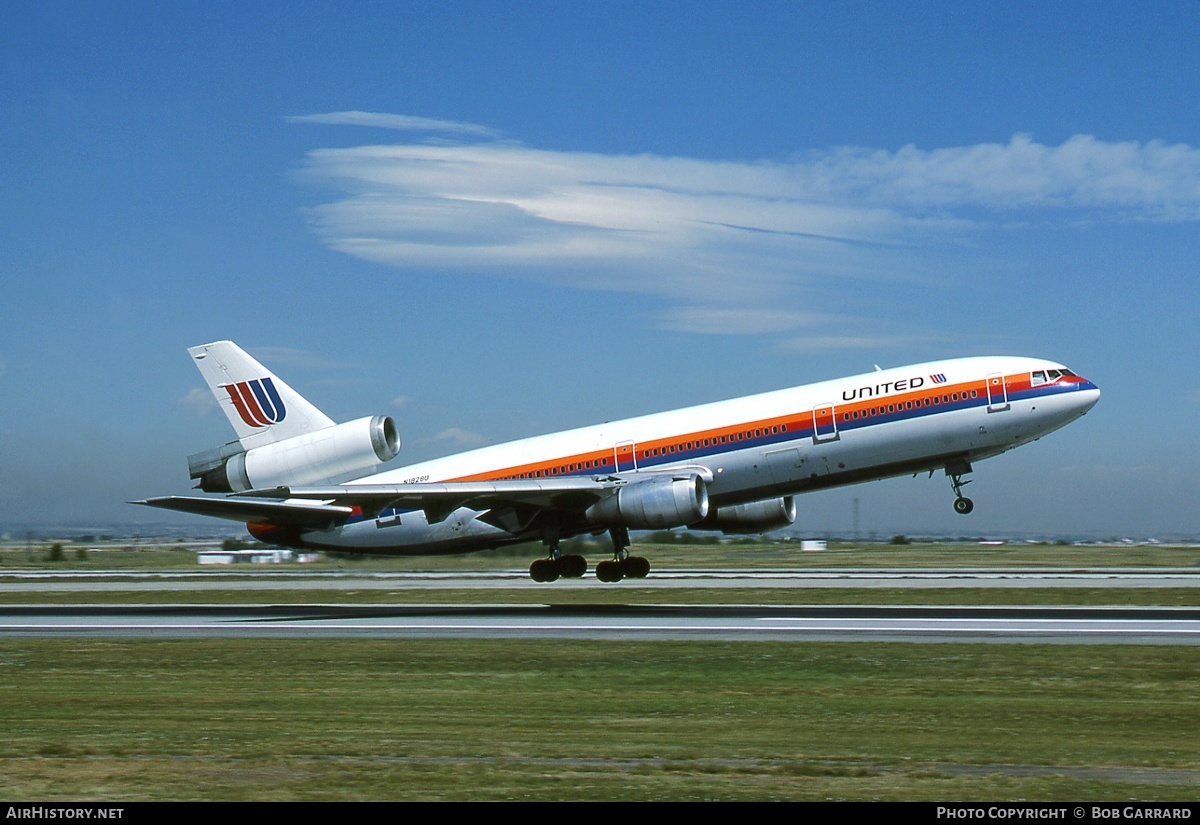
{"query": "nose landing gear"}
{"type": "Point", "coordinates": [962, 504]}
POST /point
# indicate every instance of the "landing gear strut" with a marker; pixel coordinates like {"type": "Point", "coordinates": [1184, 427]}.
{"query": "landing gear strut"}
{"type": "Point", "coordinates": [962, 504]}
{"type": "Point", "coordinates": [623, 565]}
{"type": "Point", "coordinates": [556, 564]}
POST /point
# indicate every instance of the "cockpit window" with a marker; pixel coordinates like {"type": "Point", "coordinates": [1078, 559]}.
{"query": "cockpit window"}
{"type": "Point", "coordinates": [1038, 377]}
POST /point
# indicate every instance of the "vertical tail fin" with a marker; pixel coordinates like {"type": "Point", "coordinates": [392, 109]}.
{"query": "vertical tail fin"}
{"type": "Point", "coordinates": [261, 407]}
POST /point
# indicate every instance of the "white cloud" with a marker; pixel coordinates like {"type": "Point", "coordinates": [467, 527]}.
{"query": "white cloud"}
{"type": "Point", "coordinates": [734, 320]}
{"type": "Point", "coordinates": [292, 357]}
{"type": "Point", "coordinates": [458, 438]}
{"type": "Point", "coordinates": [731, 247]}
{"type": "Point", "coordinates": [1152, 180]}
{"type": "Point", "coordinates": [876, 343]}
{"type": "Point", "coordinates": [399, 122]}
{"type": "Point", "coordinates": [200, 402]}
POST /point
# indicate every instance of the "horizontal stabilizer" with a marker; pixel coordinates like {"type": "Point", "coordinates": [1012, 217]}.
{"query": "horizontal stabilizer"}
{"type": "Point", "coordinates": [298, 513]}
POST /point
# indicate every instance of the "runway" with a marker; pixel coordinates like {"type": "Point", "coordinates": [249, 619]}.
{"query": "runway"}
{"type": "Point", "coordinates": [116, 581]}
{"type": "Point", "coordinates": [1068, 625]}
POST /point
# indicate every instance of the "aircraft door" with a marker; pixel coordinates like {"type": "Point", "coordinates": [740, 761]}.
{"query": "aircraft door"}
{"type": "Point", "coordinates": [997, 391]}
{"type": "Point", "coordinates": [625, 457]}
{"type": "Point", "coordinates": [825, 423]}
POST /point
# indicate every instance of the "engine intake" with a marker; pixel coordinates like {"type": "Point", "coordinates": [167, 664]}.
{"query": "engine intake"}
{"type": "Point", "coordinates": [355, 446]}
{"type": "Point", "coordinates": [654, 503]}
{"type": "Point", "coordinates": [751, 517]}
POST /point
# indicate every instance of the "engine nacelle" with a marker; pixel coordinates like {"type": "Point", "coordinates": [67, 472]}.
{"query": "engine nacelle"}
{"type": "Point", "coordinates": [751, 517]}
{"type": "Point", "coordinates": [355, 446]}
{"type": "Point", "coordinates": [653, 503]}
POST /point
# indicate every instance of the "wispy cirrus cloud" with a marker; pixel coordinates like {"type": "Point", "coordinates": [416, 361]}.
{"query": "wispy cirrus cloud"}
{"type": "Point", "coordinates": [457, 438]}
{"type": "Point", "coordinates": [199, 401]}
{"type": "Point", "coordinates": [1148, 181]}
{"type": "Point", "coordinates": [730, 247]}
{"type": "Point", "coordinates": [404, 123]}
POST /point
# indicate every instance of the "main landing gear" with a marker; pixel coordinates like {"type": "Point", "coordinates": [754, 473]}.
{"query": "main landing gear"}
{"type": "Point", "coordinates": [623, 565]}
{"type": "Point", "coordinates": [570, 566]}
{"type": "Point", "coordinates": [962, 504]}
{"type": "Point", "coordinates": [557, 566]}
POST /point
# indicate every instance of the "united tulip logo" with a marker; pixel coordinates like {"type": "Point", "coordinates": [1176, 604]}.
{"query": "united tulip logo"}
{"type": "Point", "coordinates": [257, 401]}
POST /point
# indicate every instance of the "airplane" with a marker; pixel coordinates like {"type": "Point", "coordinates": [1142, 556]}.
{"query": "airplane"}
{"type": "Point", "coordinates": [300, 480]}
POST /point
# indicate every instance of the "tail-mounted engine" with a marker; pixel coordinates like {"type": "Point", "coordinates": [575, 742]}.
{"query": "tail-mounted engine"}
{"type": "Point", "coordinates": [654, 503]}
{"type": "Point", "coordinates": [751, 517]}
{"type": "Point", "coordinates": [356, 446]}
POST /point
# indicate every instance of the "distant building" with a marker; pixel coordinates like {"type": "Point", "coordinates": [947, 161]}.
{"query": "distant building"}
{"type": "Point", "coordinates": [812, 545]}
{"type": "Point", "coordinates": [243, 556]}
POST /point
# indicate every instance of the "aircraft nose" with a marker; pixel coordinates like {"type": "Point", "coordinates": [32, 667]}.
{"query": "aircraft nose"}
{"type": "Point", "coordinates": [1086, 395]}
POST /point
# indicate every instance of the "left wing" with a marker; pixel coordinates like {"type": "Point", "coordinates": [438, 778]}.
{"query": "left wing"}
{"type": "Point", "coordinates": [311, 514]}
{"type": "Point", "coordinates": [650, 500]}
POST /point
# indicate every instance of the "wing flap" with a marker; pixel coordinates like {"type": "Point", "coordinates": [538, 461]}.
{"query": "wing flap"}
{"type": "Point", "coordinates": [439, 499]}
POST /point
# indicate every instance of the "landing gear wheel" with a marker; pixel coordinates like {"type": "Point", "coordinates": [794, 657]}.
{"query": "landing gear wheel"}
{"type": "Point", "coordinates": [956, 471]}
{"type": "Point", "coordinates": [545, 570]}
{"type": "Point", "coordinates": [635, 567]}
{"type": "Point", "coordinates": [609, 571]}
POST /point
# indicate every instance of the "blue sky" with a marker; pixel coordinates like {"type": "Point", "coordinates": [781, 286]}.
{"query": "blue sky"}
{"type": "Point", "coordinates": [493, 220]}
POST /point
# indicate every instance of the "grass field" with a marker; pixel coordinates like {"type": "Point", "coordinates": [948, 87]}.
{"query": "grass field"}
{"type": "Point", "coordinates": [488, 720]}
{"type": "Point", "coordinates": [119, 720]}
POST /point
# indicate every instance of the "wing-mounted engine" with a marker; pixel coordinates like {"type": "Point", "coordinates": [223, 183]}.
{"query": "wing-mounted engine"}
{"type": "Point", "coordinates": [751, 517]}
{"type": "Point", "coordinates": [355, 446]}
{"type": "Point", "coordinates": [654, 503]}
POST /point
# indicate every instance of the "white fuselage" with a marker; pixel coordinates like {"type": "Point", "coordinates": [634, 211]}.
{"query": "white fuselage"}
{"type": "Point", "coordinates": [929, 416]}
